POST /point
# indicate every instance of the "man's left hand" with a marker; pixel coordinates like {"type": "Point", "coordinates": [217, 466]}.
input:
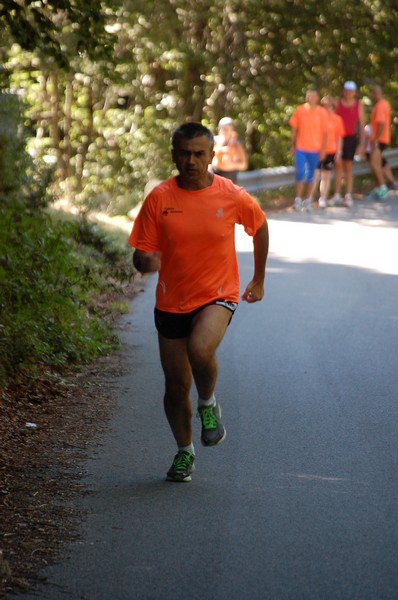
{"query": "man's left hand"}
{"type": "Point", "coordinates": [254, 292]}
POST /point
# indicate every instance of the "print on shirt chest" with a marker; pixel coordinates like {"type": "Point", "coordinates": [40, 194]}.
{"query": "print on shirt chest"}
{"type": "Point", "coordinates": [189, 223]}
{"type": "Point", "coordinates": [171, 211]}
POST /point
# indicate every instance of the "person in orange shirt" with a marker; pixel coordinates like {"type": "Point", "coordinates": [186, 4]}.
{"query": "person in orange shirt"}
{"type": "Point", "coordinates": [380, 137]}
{"type": "Point", "coordinates": [389, 177]}
{"type": "Point", "coordinates": [308, 144]}
{"type": "Point", "coordinates": [229, 155]}
{"type": "Point", "coordinates": [335, 133]}
{"type": "Point", "coordinates": [185, 230]}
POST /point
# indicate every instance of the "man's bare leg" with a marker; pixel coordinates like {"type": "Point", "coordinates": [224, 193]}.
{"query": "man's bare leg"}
{"type": "Point", "coordinates": [317, 179]}
{"type": "Point", "coordinates": [325, 183]}
{"type": "Point", "coordinates": [182, 357]}
{"type": "Point", "coordinates": [347, 166]}
{"type": "Point", "coordinates": [178, 381]}
{"type": "Point", "coordinates": [299, 189]}
{"type": "Point", "coordinates": [375, 163]}
{"type": "Point", "coordinates": [311, 189]}
{"type": "Point", "coordinates": [338, 174]}
{"type": "Point", "coordinates": [388, 174]}
{"type": "Point", "coordinates": [208, 330]}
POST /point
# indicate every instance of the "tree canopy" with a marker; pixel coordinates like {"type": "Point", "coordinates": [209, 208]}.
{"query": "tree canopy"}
{"type": "Point", "coordinates": [105, 83]}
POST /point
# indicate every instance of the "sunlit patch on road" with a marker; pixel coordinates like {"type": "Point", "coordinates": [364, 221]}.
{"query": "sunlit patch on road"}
{"type": "Point", "coordinates": [322, 238]}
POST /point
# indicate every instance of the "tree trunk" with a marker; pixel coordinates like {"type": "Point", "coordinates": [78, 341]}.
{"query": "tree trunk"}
{"type": "Point", "coordinates": [56, 117]}
{"type": "Point", "coordinates": [67, 145]}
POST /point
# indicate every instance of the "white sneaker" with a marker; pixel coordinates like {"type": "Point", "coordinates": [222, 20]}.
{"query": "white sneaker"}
{"type": "Point", "coordinates": [307, 204]}
{"type": "Point", "coordinates": [322, 202]}
{"type": "Point", "coordinates": [298, 204]}
{"type": "Point", "coordinates": [334, 200]}
{"type": "Point", "coordinates": [348, 201]}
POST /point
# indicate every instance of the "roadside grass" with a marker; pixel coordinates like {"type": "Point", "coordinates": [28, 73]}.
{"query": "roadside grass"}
{"type": "Point", "coordinates": [61, 278]}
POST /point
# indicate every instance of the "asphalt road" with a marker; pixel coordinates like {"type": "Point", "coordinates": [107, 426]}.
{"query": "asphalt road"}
{"type": "Point", "coordinates": [300, 502]}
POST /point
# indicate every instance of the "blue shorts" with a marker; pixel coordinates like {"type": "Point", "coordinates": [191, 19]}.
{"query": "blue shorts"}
{"type": "Point", "coordinates": [305, 164]}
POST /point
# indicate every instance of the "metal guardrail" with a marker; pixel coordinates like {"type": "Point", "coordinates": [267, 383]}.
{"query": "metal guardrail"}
{"type": "Point", "coordinates": [276, 177]}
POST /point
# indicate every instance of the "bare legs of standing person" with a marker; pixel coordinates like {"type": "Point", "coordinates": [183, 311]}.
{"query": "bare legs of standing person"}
{"type": "Point", "coordinates": [340, 167]}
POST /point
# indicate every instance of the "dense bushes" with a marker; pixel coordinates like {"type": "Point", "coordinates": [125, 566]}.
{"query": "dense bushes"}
{"type": "Point", "coordinates": [50, 269]}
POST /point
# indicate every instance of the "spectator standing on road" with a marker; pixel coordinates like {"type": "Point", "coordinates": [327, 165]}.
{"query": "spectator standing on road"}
{"type": "Point", "coordinates": [229, 154]}
{"type": "Point", "coordinates": [185, 230]}
{"type": "Point", "coordinates": [387, 171]}
{"type": "Point", "coordinates": [335, 132]}
{"type": "Point", "coordinates": [380, 137]}
{"type": "Point", "coordinates": [308, 145]}
{"type": "Point", "coordinates": [351, 110]}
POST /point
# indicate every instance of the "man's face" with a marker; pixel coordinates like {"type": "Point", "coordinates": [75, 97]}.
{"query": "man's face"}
{"type": "Point", "coordinates": [312, 97]}
{"type": "Point", "coordinates": [375, 94]}
{"type": "Point", "coordinates": [192, 159]}
{"type": "Point", "coordinates": [227, 131]}
{"type": "Point", "coordinates": [349, 95]}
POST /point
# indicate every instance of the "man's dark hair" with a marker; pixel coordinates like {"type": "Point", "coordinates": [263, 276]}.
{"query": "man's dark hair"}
{"type": "Point", "coordinates": [189, 131]}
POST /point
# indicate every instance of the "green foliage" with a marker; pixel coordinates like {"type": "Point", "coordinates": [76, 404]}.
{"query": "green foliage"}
{"type": "Point", "coordinates": [50, 270]}
{"type": "Point", "coordinates": [51, 27]}
{"type": "Point", "coordinates": [48, 275]}
{"type": "Point", "coordinates": [131, 70]}
{"type": "Point", "coordinates": [47, 279]}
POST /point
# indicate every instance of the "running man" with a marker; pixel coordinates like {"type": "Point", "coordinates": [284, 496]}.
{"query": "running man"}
{"type": "Point", "coordinates": [308, 145]}
{"type": "Point", "coordinates": [185, 230]}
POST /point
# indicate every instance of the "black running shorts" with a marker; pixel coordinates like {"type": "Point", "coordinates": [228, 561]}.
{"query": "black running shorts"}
{"type": "Point", "coordinates": [350, 144]}
{"type": "Point", "coordinates": [327, 163]}
{"type": "Point", "coordinates": [178, 325]}
{"type": "Point", "coordinates": [382, 147]}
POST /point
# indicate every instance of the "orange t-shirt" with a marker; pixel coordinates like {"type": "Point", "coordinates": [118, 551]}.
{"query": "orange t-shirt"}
{"type": "Point", "coordinates": [336, 130]}
{"type": "Point", "coordinates": [225, 153]}
{"type": "Point", "coordinates": [381, 113]}
{"type": "Point", "coordinates": [195, 233]}
{"type": "Point", "coordinates": [311, 127]}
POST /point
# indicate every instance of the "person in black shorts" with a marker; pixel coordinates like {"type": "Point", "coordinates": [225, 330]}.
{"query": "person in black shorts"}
{"type": "Point", "coordinates": [387, 171]}
{"type": "Point", "coordinates": [185, 231]}
{"type": "Point", "coordinates": [179, 325]}
{"type": "Point", "coordinates": [335, 132]}
{"type": "Point", "coordinates": [352, 111]}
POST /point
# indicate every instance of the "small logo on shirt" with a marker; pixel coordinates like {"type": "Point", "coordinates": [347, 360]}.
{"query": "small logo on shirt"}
{"type": "Point", "coordinates": [172, 211]}
{"type": "Point", "coordinates": [220, 212]}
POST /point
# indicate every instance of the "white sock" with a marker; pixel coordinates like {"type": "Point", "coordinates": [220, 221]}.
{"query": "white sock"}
{"type": "Point", "coordinates": [210, 402]}
{"type": "Point", "coordinates": [189, 448]}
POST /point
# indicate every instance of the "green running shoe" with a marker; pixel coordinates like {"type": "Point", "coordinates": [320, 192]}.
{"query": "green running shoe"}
{"type": "Point", "coordinates": [182, 467]}
{"type": "Point", "coordinates": [382, 192]}
{"type": "Point", "coordinates": [213, 431]}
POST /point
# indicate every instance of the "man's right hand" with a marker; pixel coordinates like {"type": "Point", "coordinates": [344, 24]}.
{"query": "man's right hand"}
{"type": "Point", "coordinates": [146, 262]}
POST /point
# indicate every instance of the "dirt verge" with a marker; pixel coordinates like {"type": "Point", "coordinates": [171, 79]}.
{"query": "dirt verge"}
{"type": "Point", "coordinates": [48, 424]}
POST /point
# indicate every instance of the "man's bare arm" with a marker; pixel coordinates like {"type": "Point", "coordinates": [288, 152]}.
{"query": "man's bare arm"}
{"type": "Point", "coordinates": [146, 262]}
{"type": "Point", "coordinates": [255, 289]}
